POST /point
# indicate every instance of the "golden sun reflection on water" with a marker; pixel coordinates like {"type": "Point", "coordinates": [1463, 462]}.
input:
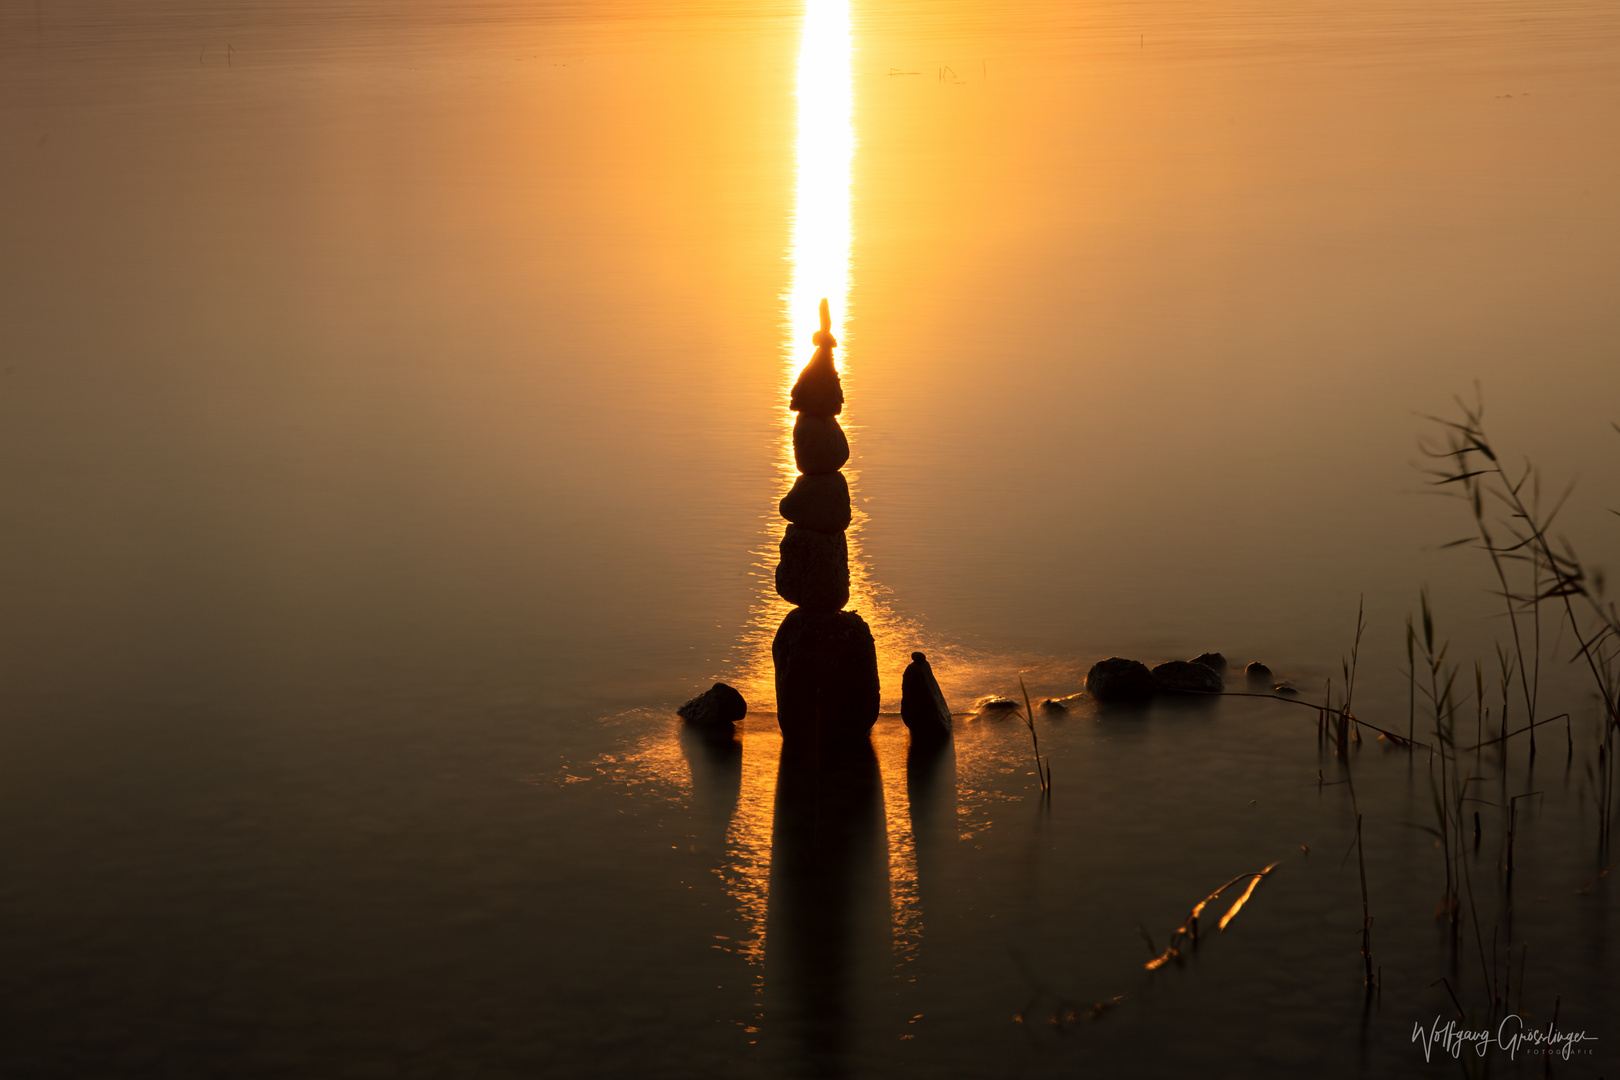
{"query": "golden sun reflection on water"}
{"type": "Point", "coordinates": [825, 150]}
{"type": "Point", "coordinates": [730, 790]}
{"type": "Point", "coordinates": [819, 251]}
{"type": "Point", "coordinates": [820, 256]}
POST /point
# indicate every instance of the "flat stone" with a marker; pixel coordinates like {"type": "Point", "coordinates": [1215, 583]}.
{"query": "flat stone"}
{"type": "Point", "coordinates": [922, 704]}
{"type": "Point", "coordinates": [814, 571]}
{"type": "Point", "coordinates": [995, 703]}
{"type": "Point", "coordinates": [1184, 676]}
{"type": "Point", "coordinates": [818, 390]}
{"type": "Point", "coordinates": [1119, 679]}
{"type": "Point", "coordinates": [1258, 672]}
{"type": "Point", "coordinates": [718, 705]}
{"type": "Point", "coordinates": [1212, 660]}
{"type": "Point", "coordinates": [826, 676]}
{"type": "Point", "coordinates": [819, 501]}
{"type": "Point", "coordinates": [819, 444]}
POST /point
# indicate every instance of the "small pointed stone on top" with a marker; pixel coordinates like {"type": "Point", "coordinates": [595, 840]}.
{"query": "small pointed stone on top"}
{"type": "Point", "coordinates": [818, 390]}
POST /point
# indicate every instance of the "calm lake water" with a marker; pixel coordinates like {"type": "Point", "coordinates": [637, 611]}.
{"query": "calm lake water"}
{"type": "Point", "coordinates": [391, 425]}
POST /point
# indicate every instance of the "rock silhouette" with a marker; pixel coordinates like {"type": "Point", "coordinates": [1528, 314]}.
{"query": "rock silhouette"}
{"type": "Point", "coordinates": [819, 444]}
{"type": "Point", "coordinates": [718, 705]}
{"type": "Point", "coordinates": [1185, 676]}
{"type": "Point", "coordinates": [825, 658]}
{"type": "Point", "coordinates": [818, 390]}
{"type": "Point", "coordinates": [819, 501]}
{"type": "Point", "coordinates": [922, 705]}
{"type": "Point", "coordinates": [814, 571]}
{"type": "Point", "coordinates": [826, 676]}
{"type": "Point", "coordinates": [1119, 679]}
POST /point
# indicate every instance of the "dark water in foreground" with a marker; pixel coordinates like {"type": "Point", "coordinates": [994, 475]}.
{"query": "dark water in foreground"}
{"type": "Point", "coordinates": [390, 423]}
{"type": "Point", "coordinates": [327, 900]}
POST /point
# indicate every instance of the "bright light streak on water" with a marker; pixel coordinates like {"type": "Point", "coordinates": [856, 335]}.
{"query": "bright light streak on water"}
{"type": "Point", "coordinates": [826, 147]}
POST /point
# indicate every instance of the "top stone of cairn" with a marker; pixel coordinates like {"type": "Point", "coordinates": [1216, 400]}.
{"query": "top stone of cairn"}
{"type": "Point", "coordinates": [818, 391]}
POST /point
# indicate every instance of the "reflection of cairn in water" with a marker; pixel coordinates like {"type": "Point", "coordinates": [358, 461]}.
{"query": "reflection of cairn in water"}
{"type": "Point", "coordinates": [827, 923]}
{"type": "Point", "coordinates": [826, 660]}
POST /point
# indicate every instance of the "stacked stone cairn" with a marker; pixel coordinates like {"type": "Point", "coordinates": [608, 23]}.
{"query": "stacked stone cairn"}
{"type": "Point", "coordinates": [825, 658]}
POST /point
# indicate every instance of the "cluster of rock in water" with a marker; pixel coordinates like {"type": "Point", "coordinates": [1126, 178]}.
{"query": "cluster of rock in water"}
{"type": "Point", "coordinates": [925, 712]}
{"type": "Point", "coordinates": [825, 657]}
{"type": "Point", "coordinates": [1119, 679]}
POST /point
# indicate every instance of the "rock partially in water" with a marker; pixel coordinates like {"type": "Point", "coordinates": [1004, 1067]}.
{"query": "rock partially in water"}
{"type": "Point", "coordinates": [818, 390]}
{"type": "Point", "coordinates": [1119, 679]}
{"type": "Point", "coordinates": [1285, 688]}
{"type": "Point", "coordinates": [1184, 676]}
{"type": "Point", "coordinates": [718, 705]}
{"type": "Point", "coordinates": [814, 571]}
{"type": "Point", "coordinates": [826, 676]}
{"type": "Point", "coordinates": [1212, 660]}
{"type": "Point", "coordinates": [995, 703]}
{"type": "Point", "coordinates": [1258, 672]}
{"type": "Point", "coordinates": [1053, 705]}
{"type": "Point", "coordinates": [819, 444]}
{"type": "Point", "coordinates": [922, 704]}
{"type": "Point", "coordinates": [819, 501]}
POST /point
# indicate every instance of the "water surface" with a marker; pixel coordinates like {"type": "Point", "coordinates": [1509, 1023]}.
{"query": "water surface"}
{"type": "Point", "coordinates": [390, 435]}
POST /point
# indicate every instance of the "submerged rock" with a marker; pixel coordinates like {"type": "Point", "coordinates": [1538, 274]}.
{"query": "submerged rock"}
{"type": "Point", "coordinates": [718, 705]}
{"type": "Point", "coordinates": [814, 571]}
{"type": "Point", "coordinates": [818, 390]}
{"type": "Point", "coordinates": [819, 501]}
{"type": "Point", "coordinates": [922, 704]}
{"type": "Point", "coordinates": [826, 675]}
{"type": "Point", "coordinates": [1212, 660]}
{"type": "Point", "coordinates": [1258, 672]}
{"type": "Point", "coordinates": [819, 444]}
{"type": "Point", "coordinates": [1286, 688]}
{"type": "Point", "coordinates": [1183, 676]}
{"type": "Point", "coordinates": [1119, 679]}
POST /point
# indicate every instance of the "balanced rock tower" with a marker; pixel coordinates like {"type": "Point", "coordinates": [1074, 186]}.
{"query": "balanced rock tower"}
{"type": "Point", "coordinates": [826, 661]}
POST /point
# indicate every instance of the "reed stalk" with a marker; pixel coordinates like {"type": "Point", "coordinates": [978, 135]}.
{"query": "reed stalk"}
{"type": "Point", "coordinates": [1043, 772]}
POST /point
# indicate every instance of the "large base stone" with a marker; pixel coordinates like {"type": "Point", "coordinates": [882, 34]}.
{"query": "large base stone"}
{"type": "Point", "coordinates": [826, 676]}
{"type": "Point", "coordinates": [1119, 679]}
